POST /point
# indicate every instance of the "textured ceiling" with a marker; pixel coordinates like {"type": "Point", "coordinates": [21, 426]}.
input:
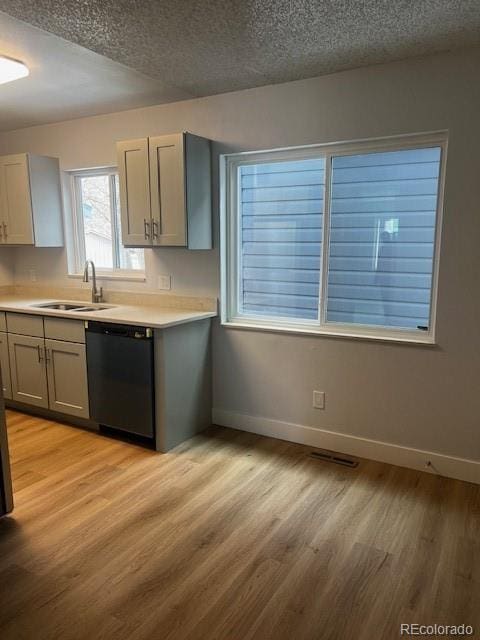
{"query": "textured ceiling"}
{"type": "Point", "coordinates": [203, 47]}
{"type": "Point", "coordinates": [211, 46]}
{"type": "Point", "coordinates": [67, 81]}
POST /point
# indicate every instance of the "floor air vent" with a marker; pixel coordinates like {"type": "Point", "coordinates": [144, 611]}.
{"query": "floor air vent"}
{"type": "Point", "coordinates": [336, 458]}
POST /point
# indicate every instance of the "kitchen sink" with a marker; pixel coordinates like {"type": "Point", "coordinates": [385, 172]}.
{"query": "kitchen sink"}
{"type": "Point", "coordinates": [61, 306]}
{"type": "Point", "coordinates": [70, 306]}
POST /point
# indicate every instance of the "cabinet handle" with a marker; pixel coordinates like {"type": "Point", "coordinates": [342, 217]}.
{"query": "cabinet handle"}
{"type": "Point", "coordinates": [4, 230]}
{"type": "Point", "coordinates": [154, 229]}
{"type": "Point", "coordinates": [39, 349]}
{"type": "Point", "coordinates": [48, 355]}
{"type": "Point", "coordinates": [146, 228]}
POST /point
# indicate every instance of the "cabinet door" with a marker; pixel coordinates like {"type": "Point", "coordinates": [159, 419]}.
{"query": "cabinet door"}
{"type": "Point", "coordinates": [5, 366]}
{"type": "Point", "coordinates": [27, 368]}
{"type": "Point", "coordinates": [167, 190]}
{"type": "Point", "coordinates": [134, 192]}
{"type": "Point", "coordinates": [67, 377]}
{"type": "Point", "coordinates": [16, 205]}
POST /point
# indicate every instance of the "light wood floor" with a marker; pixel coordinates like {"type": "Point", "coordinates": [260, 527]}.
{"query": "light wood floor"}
{"type": "Point", "coordinates": [232, 536]}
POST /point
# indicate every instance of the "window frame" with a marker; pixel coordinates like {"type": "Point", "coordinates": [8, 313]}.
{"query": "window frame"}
{"type": "Point", "coordinates": [78, 230]}
{"type": "Point", "coordinates": [230, 250]}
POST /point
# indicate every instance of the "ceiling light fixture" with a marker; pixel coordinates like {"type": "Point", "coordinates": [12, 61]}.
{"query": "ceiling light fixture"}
{"type": "Point", "coordinates": [11, 69]}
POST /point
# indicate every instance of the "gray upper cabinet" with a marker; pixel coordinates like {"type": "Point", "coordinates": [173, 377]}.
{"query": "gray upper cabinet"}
{"type": "Point", "coordinates": [67, 377]}
{"type": "Point", "coordinates": [30, 201]}
{"type": "Point", "coordinates": [133, 174]}
{"type": "Point", "coordinates": [165, 191]}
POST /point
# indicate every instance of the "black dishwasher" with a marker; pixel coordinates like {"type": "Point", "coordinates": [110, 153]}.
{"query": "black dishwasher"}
{"type": "Point", "coordinates": [120, 362]}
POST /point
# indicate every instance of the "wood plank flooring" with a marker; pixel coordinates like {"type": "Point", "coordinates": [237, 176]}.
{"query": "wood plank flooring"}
{"type": "Point", "coordinates": [230, 536]}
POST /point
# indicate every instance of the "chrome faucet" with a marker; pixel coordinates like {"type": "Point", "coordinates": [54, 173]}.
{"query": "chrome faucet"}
{"type": "Point", "coordinates": [97, 294]}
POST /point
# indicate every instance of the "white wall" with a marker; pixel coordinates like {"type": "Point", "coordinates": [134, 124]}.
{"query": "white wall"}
{"type": "Point", "coordinates": [420, 397]}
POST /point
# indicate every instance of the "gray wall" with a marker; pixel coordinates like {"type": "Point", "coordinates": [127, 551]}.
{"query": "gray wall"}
{"type": "Point", "coordinates": [422, 397]}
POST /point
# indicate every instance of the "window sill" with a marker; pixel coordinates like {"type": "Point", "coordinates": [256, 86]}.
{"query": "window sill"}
{"type": "Point", "coordinates": [401, 338]}
{"type": "Point", "coordinates": [126, 277]}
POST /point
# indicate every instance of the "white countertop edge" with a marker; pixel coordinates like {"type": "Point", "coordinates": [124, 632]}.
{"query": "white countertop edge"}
{"type": "Point", "coordinates": [118, 314]}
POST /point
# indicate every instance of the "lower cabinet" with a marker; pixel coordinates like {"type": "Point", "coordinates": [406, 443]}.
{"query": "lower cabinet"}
{"type": "Point", "coordinates": [5, 366]}
{"type": "Point", "coordinates": [49, 373]}
{"type": "Point", "coordinates": [27, 367]}
{"type": "Point", "coordinates": [67, 377]}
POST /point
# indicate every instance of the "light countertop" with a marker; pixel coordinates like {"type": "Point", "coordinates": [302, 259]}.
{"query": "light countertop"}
{"type": "Point", "coordinates": [153, 316]}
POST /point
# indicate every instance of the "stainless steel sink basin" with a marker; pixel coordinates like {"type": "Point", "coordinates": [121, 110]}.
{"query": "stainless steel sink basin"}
{"type": "Point", "coordinates": [61, 306]}
{"type": "Point", "coordinates": [71, 306]}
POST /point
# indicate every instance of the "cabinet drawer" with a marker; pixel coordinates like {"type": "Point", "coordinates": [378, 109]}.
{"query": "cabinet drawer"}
{"type": "Point", "coordinates": [3, 321]}
{"type": "Point", "coordinates": [25, 325]}
{"type": "Point", "coordinates": [63, 329]}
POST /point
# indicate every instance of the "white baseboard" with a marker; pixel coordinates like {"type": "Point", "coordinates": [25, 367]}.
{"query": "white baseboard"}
{"type": "Point", "coordinates": [449, 466]}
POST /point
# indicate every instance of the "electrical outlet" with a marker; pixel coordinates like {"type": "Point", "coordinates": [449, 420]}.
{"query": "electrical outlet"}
{"type": "Point", "coordinates": [164, 282]}
{"type": "Point", "coordinates": [32, 274]}
{"type": "Point", "coordinates": [319, 399]}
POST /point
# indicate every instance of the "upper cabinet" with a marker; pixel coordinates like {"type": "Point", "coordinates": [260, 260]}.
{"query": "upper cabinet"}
{"type": "Point", "coordinates": [30, 201]}
{"type": "Point", "coordinates": [165, 191]}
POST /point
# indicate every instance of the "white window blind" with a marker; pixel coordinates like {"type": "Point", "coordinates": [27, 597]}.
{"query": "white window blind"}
{"type": "Point", "coordinates": [281, 237]}
{"type": "Point", "coordinates": [382, 237]}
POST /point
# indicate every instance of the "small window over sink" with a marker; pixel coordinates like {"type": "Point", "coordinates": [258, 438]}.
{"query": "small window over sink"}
{"type": "Point", "coordinates": [97, 225]}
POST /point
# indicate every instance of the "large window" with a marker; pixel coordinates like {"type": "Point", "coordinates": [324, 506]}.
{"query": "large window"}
{"type": "Point", "coordinates": [336, 239]}
{"type": "Point", "coordinates": [98, 224]}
